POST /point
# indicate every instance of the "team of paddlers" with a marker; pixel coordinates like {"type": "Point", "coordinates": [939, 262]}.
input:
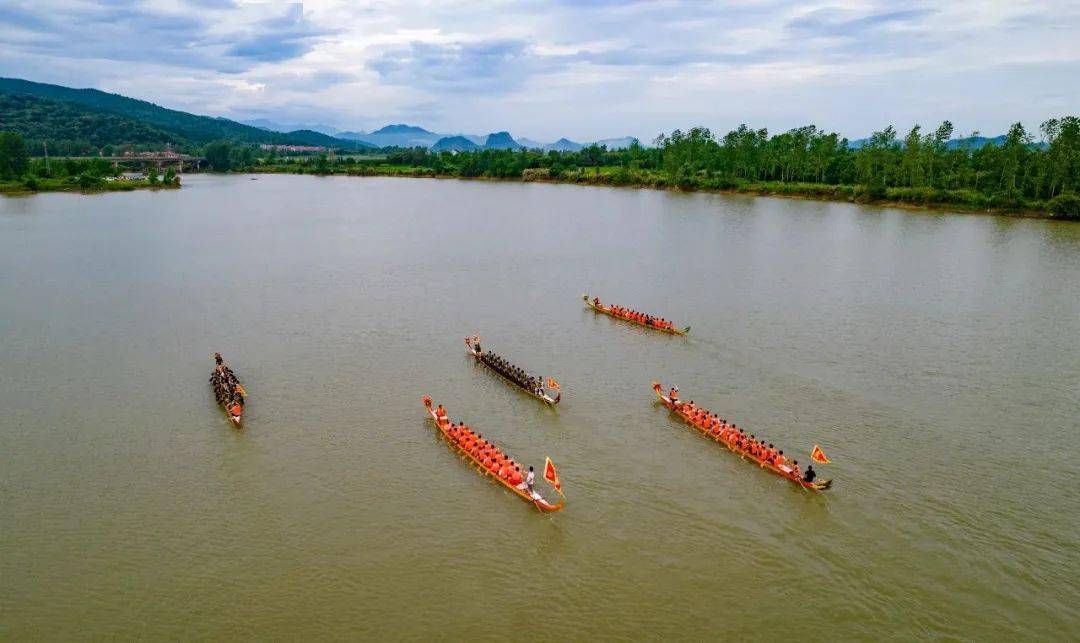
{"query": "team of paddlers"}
{"type": "Point", "coordinates": [534, 384]}
{"type": "Point", "coordinates": [730, 434]}
{"type": "Point", "coordinates": [228, 391]}
{"type": "Point", "coordinates": [487, 454]}
{"type": "Point", "coordinates": [635, 316]}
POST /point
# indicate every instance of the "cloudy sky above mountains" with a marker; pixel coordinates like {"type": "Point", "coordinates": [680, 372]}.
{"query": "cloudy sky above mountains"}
{"type": "Point", "coordinates": [585, 69]}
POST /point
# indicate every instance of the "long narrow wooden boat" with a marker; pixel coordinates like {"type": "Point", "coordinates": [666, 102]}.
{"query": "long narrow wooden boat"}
{"type": "Point", "coordinates": [236, 418]}
{"type": "Point", "coordinates": [817, 485]}
{"type": "Point", "coordinates": [543, 397]}
{"type": "Point", "coordinates": [443, 426]}
{"type": "Point", "coordinates": [607, 311]}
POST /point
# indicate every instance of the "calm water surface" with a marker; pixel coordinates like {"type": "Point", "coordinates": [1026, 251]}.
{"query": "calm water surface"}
{"type": "Point", "coordinates": [933, 356]}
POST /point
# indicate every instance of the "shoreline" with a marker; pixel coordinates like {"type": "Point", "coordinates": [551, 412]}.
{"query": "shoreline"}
{"type": "Point", "coordinates": [821, 192]}
{"type": "Point", "coordinates": [19, 189]}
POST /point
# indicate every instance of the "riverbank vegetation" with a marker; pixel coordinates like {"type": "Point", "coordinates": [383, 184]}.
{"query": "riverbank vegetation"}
{"type": "Point", "coordinates": [1020, 174]}
{"type": "Point", "coordinates": [21, 174]}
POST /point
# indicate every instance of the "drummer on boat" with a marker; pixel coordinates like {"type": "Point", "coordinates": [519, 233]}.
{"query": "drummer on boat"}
{"type": "Point", "coordinates": [673, 395]}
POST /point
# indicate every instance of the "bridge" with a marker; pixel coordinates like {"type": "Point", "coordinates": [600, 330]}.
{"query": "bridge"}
{"type": "Point", "coordinates": [179, 161]}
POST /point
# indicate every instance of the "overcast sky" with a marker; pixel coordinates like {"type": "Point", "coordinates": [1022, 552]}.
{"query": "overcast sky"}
{"type": "Point", "coordinates": [583, 69]}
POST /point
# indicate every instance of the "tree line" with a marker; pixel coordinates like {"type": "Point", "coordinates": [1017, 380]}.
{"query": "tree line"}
{"type": "Point", "coordinates": [1021, 171]}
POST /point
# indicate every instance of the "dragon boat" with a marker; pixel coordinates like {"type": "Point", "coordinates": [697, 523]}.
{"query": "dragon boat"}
{"type": "Point", "coordinates": [473, 344]}
{"type": "Point", "coordinates": [225, 386]}
{"type": "Point", "coordinates": [647, 323]}
{"type": "Point", "coordinates": [678, 409]}
{"type": "Point", "coordinates": [445, 427]}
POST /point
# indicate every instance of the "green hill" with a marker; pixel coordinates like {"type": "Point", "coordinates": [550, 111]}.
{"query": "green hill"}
{"type": "Point", "coordinates": [73, 129]}
{"type": "Point", "coordinates": [192, 128]}
{"type": "Point", "coordinates": [91, 117]}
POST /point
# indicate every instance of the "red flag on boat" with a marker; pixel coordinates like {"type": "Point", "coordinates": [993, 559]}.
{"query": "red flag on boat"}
{"type": "Point", "coordinates": [551, 475]}
{"type": "Point", "coordinates": [553, 385]}
{"type": "Point", "coordinates": [817, 455]}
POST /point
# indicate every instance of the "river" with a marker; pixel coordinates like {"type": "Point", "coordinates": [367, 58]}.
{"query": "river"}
{"type": "Point", "coordinates": [933, 356]}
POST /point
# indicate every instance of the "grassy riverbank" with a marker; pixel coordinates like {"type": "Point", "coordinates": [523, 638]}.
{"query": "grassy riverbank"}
{"type": "Point", "coordinates": [617, 176]}
{"type": "Point", "coordinates": [72, 184]}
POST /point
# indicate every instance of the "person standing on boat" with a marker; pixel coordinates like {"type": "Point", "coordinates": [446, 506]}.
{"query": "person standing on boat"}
{"type": "Point", "coordinates": [530, 479]}
{"type": "Point", "coordinates": [810, 474]}
{"type": "Point", "coordinates": [674, 396]}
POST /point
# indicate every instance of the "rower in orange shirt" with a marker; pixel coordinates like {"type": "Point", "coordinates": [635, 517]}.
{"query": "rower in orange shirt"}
{"type": "Point", "coordinates": [781, 462]}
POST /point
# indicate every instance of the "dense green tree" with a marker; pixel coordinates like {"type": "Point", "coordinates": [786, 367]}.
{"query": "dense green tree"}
{"type": "Point", "coordinates": [14, 160]}
{"type": "Point", "coordinates": [219, 155]}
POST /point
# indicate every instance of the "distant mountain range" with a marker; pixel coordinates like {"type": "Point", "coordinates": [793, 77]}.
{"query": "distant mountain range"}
{"type": "Point", "coordinates": [402, 135]}
{"type": "Point", "coordinates": [968, 142]}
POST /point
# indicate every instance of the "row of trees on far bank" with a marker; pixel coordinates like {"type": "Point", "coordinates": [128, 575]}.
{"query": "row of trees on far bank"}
{"type": "Point", "coordinates": [1020, 166]}
{"type": "Point", "coordinates": [1020, 170]}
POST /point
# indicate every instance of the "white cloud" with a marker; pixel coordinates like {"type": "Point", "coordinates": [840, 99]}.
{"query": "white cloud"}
{"type": "Point", "coordinates": [582, 69]}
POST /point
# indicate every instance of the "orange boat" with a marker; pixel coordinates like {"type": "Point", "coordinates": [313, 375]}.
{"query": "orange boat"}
{"type": "Point", "coordinates": [443, 425]}
{"type": "Point", "coordinates": [607, 310]}
{"type": "Point", "coordinates": [820, 485]}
